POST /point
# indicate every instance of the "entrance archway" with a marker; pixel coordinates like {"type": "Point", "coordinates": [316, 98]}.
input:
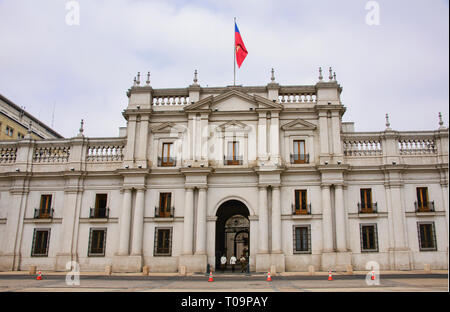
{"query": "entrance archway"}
{"type": "Point", "coordinates": [232, 231]}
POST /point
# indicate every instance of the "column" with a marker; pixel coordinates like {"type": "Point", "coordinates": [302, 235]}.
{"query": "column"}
{"type": "Point", "coordinates": [323, 124]}
{"type": "Point", "coordinates": [262, 136]}
{"type": "Point", "coordinates": [138, 223]}
{"type": "Point", "coordinates": [200, 247]}
{"type": "Point", "coordinates": [398, 217]}
{"type": "Point", "coordinates": [276, 220]}
{"type": "Point", "coordinates": [335, 125]}
{"type": "Point", "coordinates": [274, 138]}
{"type": "Point", "coordinates": [263, 220]}
{"type": "Point", "coordinates": [341, 241]}
{"type": "Point", "coordinates": [327, 219]}
{"type": "Point", "coordinates": [125, 220]}
{"type": "Point", "coordinates": [188, 229]}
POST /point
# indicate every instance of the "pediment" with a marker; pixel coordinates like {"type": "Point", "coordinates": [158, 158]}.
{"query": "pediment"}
{"type": "Point", "coordinates": [168, 127]}
{"type": "Point", "coordinates": [233, 100]}
{"type": "Point", "coordinates": [233, 126]}
{"type": "Point", "coordinates": [298, 124]}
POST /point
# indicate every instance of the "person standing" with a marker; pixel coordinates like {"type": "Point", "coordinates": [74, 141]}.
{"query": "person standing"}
{"type": "Point", "coordinates": [233, 262]}
{"type": "Point", "coordinates": [223, 262]}
{"type": "Point", "coordinates": [243, 261]}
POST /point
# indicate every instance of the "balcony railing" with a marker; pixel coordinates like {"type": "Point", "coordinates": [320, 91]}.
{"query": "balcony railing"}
{"type": "Point", "coordinates": [368, 208]}
{"type": "Point", "coordinates": [232, 161]}
{"type": "Point", "coordinates": [424, 207]}
{"type": "Point", "coordinates": [299, 158]}
{"type": "Point", "coordinates": [167, 161]}
{"type": "Point", "coordinates": [164, 213]}
{"type": "Point", "coordinates": [297, 211]}
{"type": "Point", "coordinates": [95, 213]}
{"type": "Point", "coordinates": [43, 214]}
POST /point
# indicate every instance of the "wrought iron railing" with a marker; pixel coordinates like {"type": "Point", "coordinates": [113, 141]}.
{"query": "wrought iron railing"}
{"type": "Point", "coordinates": [99, 213]}
{"type": "Point", "coordinates": [368, 208]}
{"type": "Point", "coordinates": [299, 210]}
{"type": "Point", "coordinates": [162, 213]}
{"type": "Point", "coordinates": [232, 161]}
{"type": "Point", "coordinates": [43, 214]}
{"type": "Point", "coordinates": [424, 206]}
{"type": "Point", "coordinates": [299, 158]}
{"type": "Point", "coordinates": [167, 161]}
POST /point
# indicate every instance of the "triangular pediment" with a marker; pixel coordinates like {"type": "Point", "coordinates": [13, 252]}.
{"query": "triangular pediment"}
{"type": "Point", "coordinates": [298, 124]}
{"type": "Point", "coordinates": [233, 126]}
{"type": "Point", "coordinates": [233, 100]}
{"type": "Point", "coordinates": [168, 127]}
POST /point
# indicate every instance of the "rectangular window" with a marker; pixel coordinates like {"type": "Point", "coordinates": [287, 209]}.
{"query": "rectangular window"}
{"type": "Point", "coordinates": [427, 236]}
{"type": "Point", "coordinates": [97, 239]}
{"type": "Point", "coordinates": [45, 206]}
{"type": "Point", "coordinates": [20, 135]}
{"type": "Point", "coordinates": [369, 238]}
{"type": "Point", "coordinates": [165, 200]}
{"type": "Point", "coordinates": [302, 239]}
{"type": "Point", "coordinates": [301, 204]}
{"type": "Point", "coordinates": [233, 153]}
{"type": "Point", "coordinates": [366, 200]}
{"type": "Point", "coordinates": [163, 242]}
{"type": "Point", "coordinates": [100, 210]}
{"type": "Point", "coordinates": [41, 239]}
{"type": "Point", "coordinates": [422, 199]}
{"type": "Point", "coordinates": [299, 155]}
{"type": "Point", "coordinates": [9, 131]}
{"type": "Point", "coordinates": [167, 159]}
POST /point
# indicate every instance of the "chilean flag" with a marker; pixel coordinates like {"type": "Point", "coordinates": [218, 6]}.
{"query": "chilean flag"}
{"type": "Point", "coordinates": [240, 50]}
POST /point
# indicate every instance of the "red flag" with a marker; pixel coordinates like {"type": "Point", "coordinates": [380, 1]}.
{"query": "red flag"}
{"type": "Point", "coordinates": [241, 51]}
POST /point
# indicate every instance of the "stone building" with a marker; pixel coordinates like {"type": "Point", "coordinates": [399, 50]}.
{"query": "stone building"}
{"type": "Point", "coordinates": [269, 171]}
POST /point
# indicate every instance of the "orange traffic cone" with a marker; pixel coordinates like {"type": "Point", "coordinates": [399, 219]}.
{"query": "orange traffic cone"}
{"type": "Point", "coordinates": [39, 277]}
{"type": "Point", "coordinates": [269, 279]}
{"type": "Point", "coordinates": [330, 277]}
{"type": "Point", "coordinates": [211, 279]}
{"type": "Point", "coordinates": [373, 276]}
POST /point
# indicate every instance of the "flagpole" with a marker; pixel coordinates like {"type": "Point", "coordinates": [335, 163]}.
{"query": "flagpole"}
{"type": "Point", "coordinates": [234, 54]}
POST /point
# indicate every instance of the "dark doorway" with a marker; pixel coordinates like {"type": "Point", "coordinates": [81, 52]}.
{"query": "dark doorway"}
{"type": "Point", "coordinates": [232, 231]}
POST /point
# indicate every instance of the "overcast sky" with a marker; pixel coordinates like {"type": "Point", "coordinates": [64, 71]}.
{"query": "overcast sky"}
{"type": "Point", "coordinates": [400, 66]}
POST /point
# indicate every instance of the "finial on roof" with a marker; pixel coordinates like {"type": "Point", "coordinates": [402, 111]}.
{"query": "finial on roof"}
{"type": "Point", "coordinates": [441, 122]}
{"type": "Point", "coordinates": [195, 77]}
{"type": "Point", "coordinates": [331, 75]}
{"type": "Point", "coordinates": [80, 133]}
{"type": "Point", "coordinates": [148, 79]}
{"type": "Point", "coordinates": [334, 76]}
{"type": "Point", "coordinates": [388, 124]}
{"type": "Point", "coordinates": [320, 74]}
{"type": "Point", "coordinates": [134, 81]}
{"type": "Point", "coordinates": [272, 76]}
{"type": "Point", "coordinates": [138, 81]}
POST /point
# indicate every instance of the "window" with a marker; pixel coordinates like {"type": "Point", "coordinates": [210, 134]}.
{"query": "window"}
{"type": "Point", "coordinates": [45, 207]}
{"type": "Point", "coordinates": [366, 201]}
{"type": "Point", "coordinates": [97, 239]}
{"type": "Point", "coordinates": [163, 242]}
{"type": "Point", "coordinates": [100, 210]}
{"type": "Point", "coordinates": [427, 236]}
{"type": "Point", "coordinates": [233, 154]}
{"type": "Point", "coordinates": [165, 200]}
{"type": "Point", "coordinates": [422, 199]}
{"type": "Point", "coordinates": [167, 159]}
{"type": "Point", "coordinates": [302, 239]}
{"type": "Point", "coordinates": [41, 239]}
{"type": "Point", "coordinates": [9, 131]}
{"type": "Point", "coordinates": [301, 206]}
{"type": "Point", "coordinates": [369, 238]}
{"type": "Point", "coordinates": [299, 156]}
{"type": "Point", "coordinates": [20, 135]}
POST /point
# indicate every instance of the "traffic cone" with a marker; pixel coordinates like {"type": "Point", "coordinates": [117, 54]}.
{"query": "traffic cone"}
{"type": "Point", "coordinates": [373, 276]}
{"type": "Point", "coordinates": [330, 277]}
{"type": "Point", "coordinates": [39, 277]}
{"type": "Point", "coordinates": [211, 279]}
{"type": "Point", "coordinates": [269, 279]}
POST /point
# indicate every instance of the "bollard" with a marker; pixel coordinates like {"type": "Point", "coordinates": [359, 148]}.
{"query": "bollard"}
{"type": "Point", "coordinates": [33, 270]}
{"type": "Point", "coordinates": [108, 270]}
{"type": "Point", "coordinates": [145, 270]}
{"type": "Point", "coordinates": [349, 269]}
{"type": "Point", "coordinates": [311, 270]}
{"type": "Point", "coordinates": [273, 270]}
{"type": "Point", "coordinates": [182, 270]}
{"type": "Point", "coordinates": [427, 268]}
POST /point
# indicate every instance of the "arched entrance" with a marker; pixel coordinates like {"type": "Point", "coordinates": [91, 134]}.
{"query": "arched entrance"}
{"type": "Point", "coordinates": [232, 231]}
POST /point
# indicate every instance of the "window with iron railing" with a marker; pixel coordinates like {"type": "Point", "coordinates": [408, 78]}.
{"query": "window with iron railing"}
{"type": "Point", "coordinates": [100, 210]}
{"type": "Point", "coordinates": [45, 209]}
{"type": "Point", "coordinates": [366, 205]}
{"type": "Point", "coordinates": [301, 206]}
{"type": "Point", "coordinates": [167, 158]}
{"type": "Point", "coordinates": [97, 240]}
{"type": "Point", "coordinates": [165, 209]}
{"type": "Point", "coordinates": [427, 236]}
{"type": "Point", "coordinates": [423, 204]}
{"type": "Point", "coordinates": [41, 238]}
{"type": "Point", "coordinates": [163, 242]}
{"type": "Point", "coordinates": [299, 155]}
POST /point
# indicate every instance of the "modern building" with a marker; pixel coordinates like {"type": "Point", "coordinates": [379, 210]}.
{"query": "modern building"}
{"type": "Point", "coordinates": [15, 123]}
{"type": "Point", "coordinates": [270, 172]}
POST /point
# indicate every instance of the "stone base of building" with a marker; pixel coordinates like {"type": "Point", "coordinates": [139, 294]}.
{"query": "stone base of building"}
{"type": "Point", "coordinates": [193, 263]}
{"type": "Point", "coordinates": [127, 264]}
{"type": "Point", "coordinates": [400, 259]}
{"type": "Point", "coordinates": [6, 263]}
{"type": "Point", "coordinates": [264, 262]}
{"type": "Point", "coordinates": [61, 262]}
{"type": "Point", "coordinates": [336, 261]}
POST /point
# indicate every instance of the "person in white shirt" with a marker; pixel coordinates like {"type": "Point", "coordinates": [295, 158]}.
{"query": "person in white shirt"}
{"type": "Point", "coordinates": [223, 262]}
{"type": "Point", "coordinates": [233, 262]}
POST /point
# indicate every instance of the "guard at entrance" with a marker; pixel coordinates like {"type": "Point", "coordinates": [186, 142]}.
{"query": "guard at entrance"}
{"type": "Point", "coordinates": [223, 262]}
{"type": "Point", "coordinates": [233, 262]}
{"type": "Point", "coordinates": [243, 261]}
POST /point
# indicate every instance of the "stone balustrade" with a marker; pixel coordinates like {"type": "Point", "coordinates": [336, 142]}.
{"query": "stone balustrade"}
{"type": "Point", "coordinates": [8, 154]}
{"type": "Point", "coordinates": [417, 146]}
{"type": "Point", "coordinates": [170, 100]}
{"type": "Point", "coordinates": [301, 97]}
{"type": "Point", "coordinates": [44, 153]}
{"type": "Point", "coordinates": [364, 146]}
{"type": "Point", "coordinates": [101, 151]}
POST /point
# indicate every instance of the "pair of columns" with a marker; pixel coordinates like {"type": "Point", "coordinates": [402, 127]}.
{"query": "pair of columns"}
{"type": "Point", "coordinates": [188, 230]}
{"type": "Point", "coordinates": [264, 220]}
{"type": "Point", "coordinates": [138, 223]}
{"type": "Point", "coordinates": [327, 219]}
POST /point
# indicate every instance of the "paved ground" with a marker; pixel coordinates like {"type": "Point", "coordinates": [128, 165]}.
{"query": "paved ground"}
{"type": "Point", "coordinates": [411, 281]}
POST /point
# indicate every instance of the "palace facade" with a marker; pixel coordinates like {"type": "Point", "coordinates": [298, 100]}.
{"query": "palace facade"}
{"type": "Point", "coordinates": [269, 172]}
